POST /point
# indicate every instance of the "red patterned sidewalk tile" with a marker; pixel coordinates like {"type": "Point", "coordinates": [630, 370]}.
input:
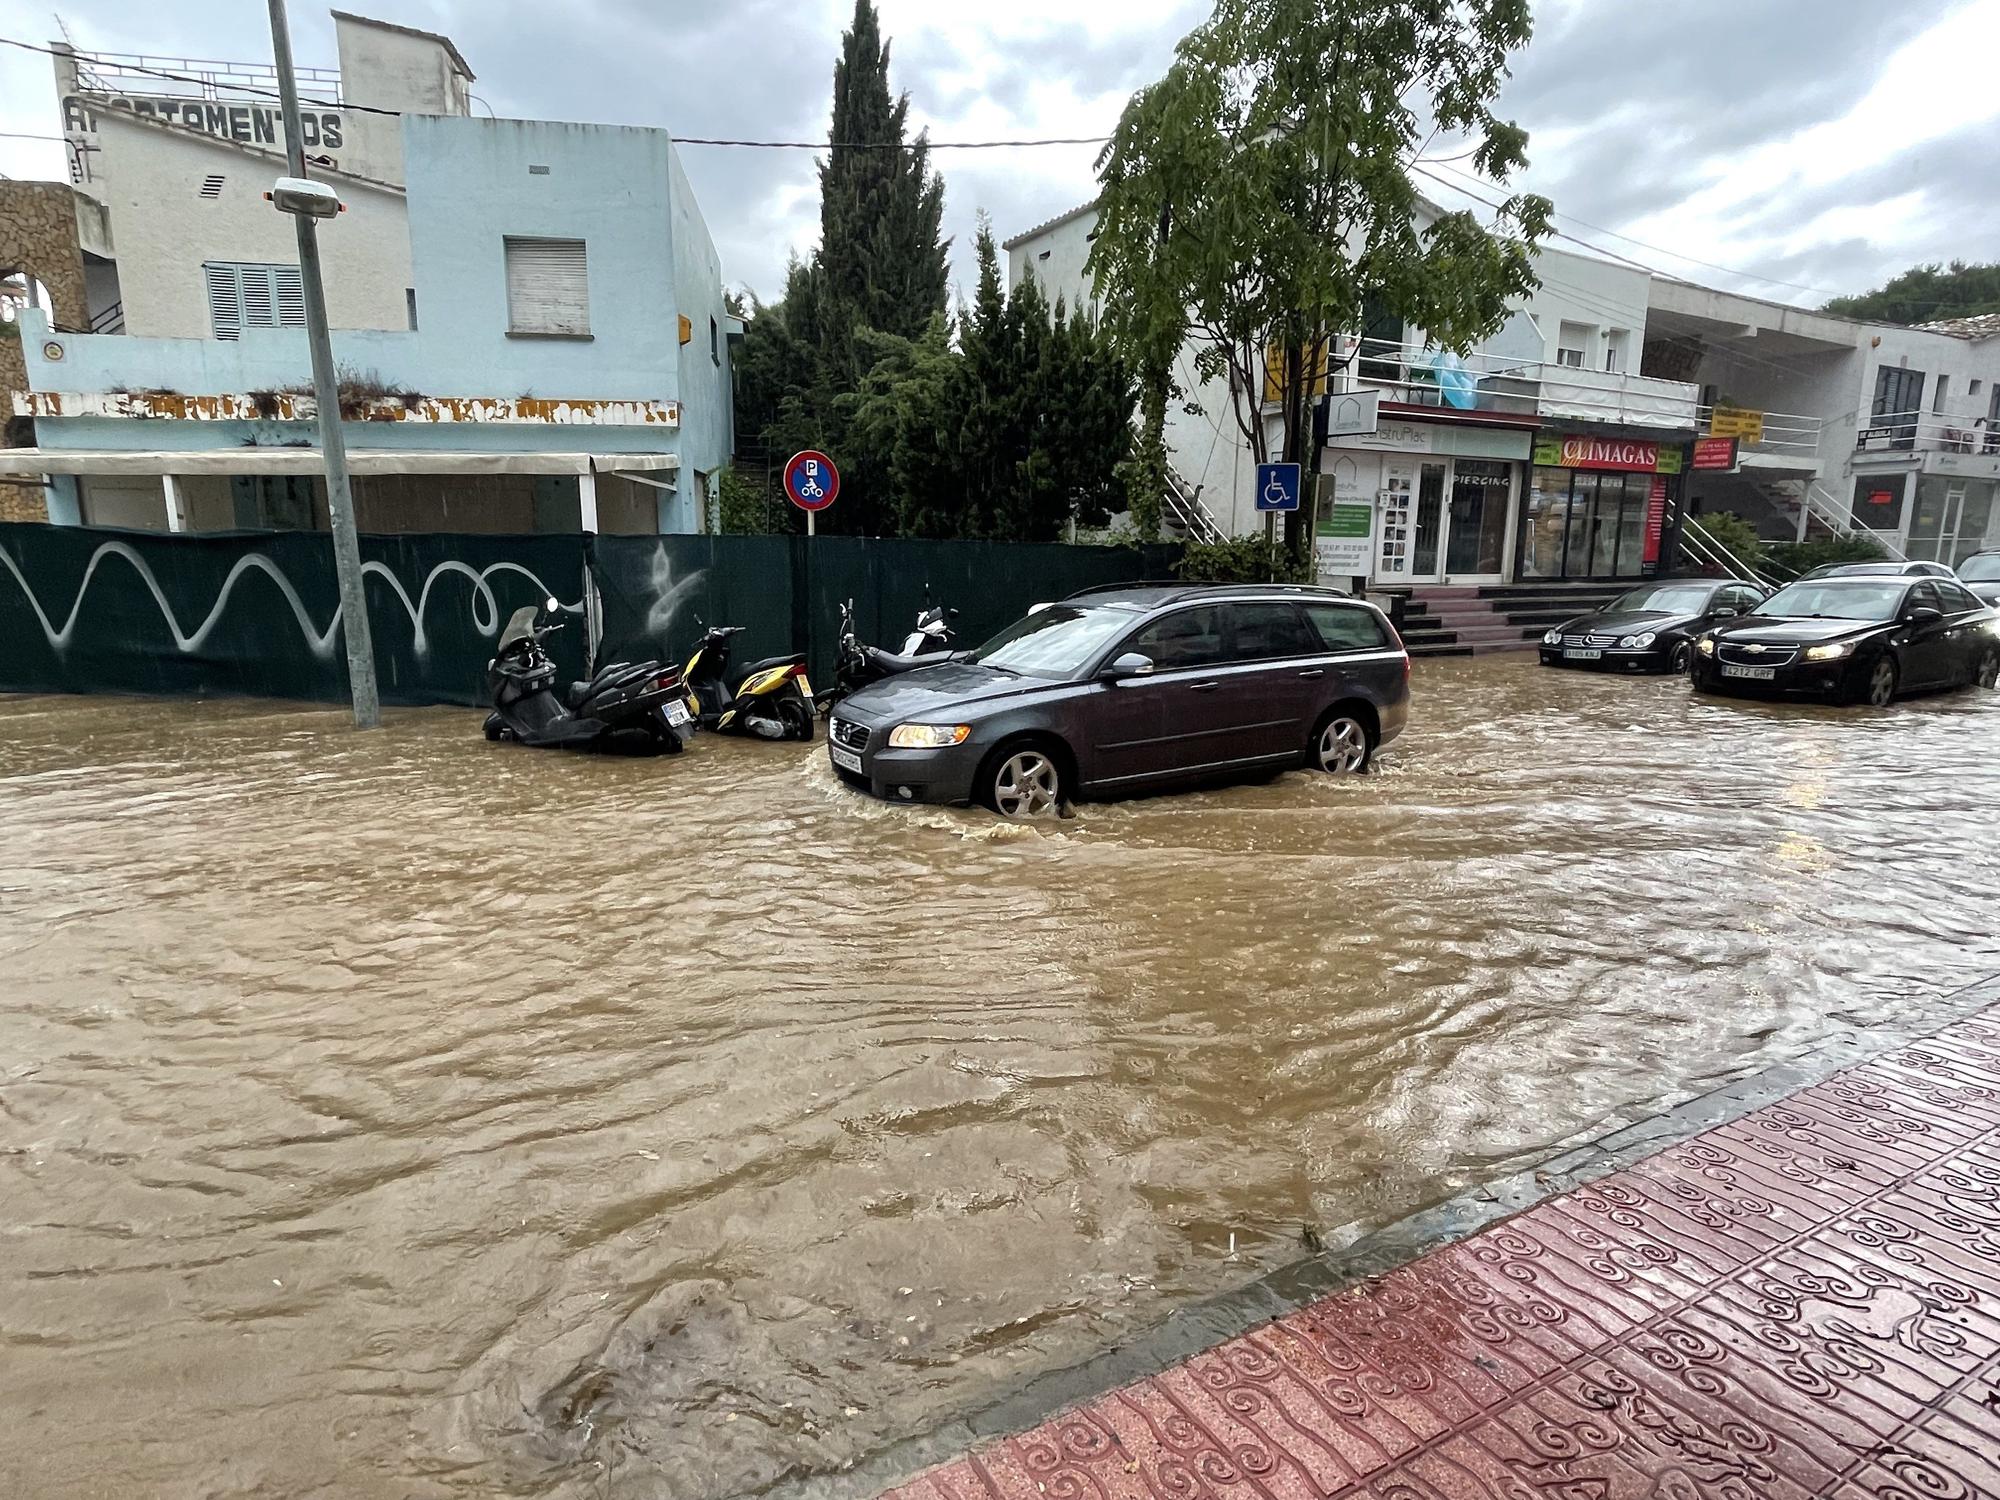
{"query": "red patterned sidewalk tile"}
{"type": "Point", "coordinates": [1801, 1303]}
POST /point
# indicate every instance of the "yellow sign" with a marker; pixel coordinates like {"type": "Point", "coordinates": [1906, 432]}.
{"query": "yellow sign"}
{"type": "Point", "coordinates": [1734, 421]}
{"type": "Point", "coordinates": [1313, 359]}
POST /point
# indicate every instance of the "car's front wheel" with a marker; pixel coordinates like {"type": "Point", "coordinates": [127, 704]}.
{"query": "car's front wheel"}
{"type": "Point", "coordinates": [1023, 781]}
{"type": "Point", "coordinates": [1682, 658]}
{"type": "Point", "coordinates": [1882, 678]}
{"type": "Point", "coordinates": [1343, 745]}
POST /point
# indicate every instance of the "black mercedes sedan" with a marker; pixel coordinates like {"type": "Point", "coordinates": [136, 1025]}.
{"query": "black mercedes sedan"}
{"type": "Point", "coordinates": [1651, 628]}
{"type": "Point", "coordinates": [1853, 640]}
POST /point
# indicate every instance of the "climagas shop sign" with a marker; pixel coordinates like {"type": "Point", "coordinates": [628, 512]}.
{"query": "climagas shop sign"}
{"type": "Point", "coordinates": [1554, 452]}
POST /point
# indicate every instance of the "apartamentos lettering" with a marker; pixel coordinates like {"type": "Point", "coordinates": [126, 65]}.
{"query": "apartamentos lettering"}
{"type": "Point", "coordinates": [251, 124]}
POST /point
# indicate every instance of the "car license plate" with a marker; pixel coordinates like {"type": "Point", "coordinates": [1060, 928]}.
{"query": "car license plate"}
{"type": "Point", "coordinates": [676, 711]}
{"type": "Point", "coordinates": [1576, 653]}
{"type": "Point", "coordinates": [1755, 674]}
{"type": "Point", "coordinates": [805, 686]}
{"type": "Point", "coordinates": [847, 760]}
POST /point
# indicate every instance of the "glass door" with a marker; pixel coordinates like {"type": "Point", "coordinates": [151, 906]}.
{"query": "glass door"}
{"type": "Point", "coordinates": [1427, 524]}
{"type": "Point", "coordinates": [1477, 535]}
{"type": "Point", "coordinates": [1935, 526]}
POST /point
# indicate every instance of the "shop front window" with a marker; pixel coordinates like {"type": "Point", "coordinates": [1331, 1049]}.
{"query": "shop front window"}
{"type": "Point", "coordinates": [1544, 520]}
{"type": "Point", "coordinates": [1583, 524]}
{"type": "Point", "coordinates": [1878, 502]}
{"type": "Point", "coordinates": [1479, 490]}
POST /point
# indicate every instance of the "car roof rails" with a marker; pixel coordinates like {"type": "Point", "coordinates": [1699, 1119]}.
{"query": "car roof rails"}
{"type": "Point", "coordinates": [1181, 588]}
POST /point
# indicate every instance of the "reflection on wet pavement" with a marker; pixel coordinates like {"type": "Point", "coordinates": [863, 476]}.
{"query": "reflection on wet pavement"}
{"type": "Point", "coordinates": [400, 1115]}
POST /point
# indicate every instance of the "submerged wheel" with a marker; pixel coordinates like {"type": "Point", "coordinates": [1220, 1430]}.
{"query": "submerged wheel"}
{"type": "Point", "coordinates": [1682, 659]}
{"type": "Point", "coordinates": [1882, 684]}
{"type": "Point", "coordinates": [797, 716]}
{"type": "Point", "coordinates": [1988, 674]}
{"type": "Point", "coordinates": [1343, 745]}
{"type": "Point", "coordinates": [1024, 783]}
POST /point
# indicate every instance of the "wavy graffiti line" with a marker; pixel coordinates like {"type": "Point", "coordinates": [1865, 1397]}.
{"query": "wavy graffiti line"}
{"type": "Point", "coordinates": [485, 608]}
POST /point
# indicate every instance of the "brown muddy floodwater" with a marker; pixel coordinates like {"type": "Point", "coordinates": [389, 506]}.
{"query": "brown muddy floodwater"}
{"type": "Point", "coordinates": [398, 1115]}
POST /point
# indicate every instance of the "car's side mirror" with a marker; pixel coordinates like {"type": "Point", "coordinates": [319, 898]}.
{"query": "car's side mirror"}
{"type": "Point", "coordinates": [1131, 664]}
{"type": "Point", "coordinates": [1921, 614]}
{"type": "Point", "coordinates": [1727, 612]}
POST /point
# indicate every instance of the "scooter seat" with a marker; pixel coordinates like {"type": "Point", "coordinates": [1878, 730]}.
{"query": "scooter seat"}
{"type": "Point", "coordinates": [890, 663]}
{"type": "Point", "coordinates": [618, 672]}
{"type": "Point", "coordinates": [775, 661]}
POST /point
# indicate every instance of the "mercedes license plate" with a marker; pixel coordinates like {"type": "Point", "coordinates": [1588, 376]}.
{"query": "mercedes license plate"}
{"type": "Point", "coordinates": [847, 760]}
{"type": "Point", "coordinates": [1577, 653]}
{"type": "Point", "coordinates": [1755, 674]}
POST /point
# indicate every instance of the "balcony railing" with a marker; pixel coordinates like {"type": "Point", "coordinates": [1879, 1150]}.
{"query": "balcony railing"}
{"type": "Point", "coordinates": [1928, 432]}
{"type": "Point", "coordinates": [199, 77]}
{"type": "Point", "coordinates": [1783, 435]}
{"type": "Point", "coordinates": [1419, 376]}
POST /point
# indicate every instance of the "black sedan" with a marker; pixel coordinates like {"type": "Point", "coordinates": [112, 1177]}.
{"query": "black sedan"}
{"type": "Point", "coordinates": [1854, 640]}
{"type": "Point", "coordinates": [1981, 573]}
{"type": "Point", "coordinates": [1650, 629]}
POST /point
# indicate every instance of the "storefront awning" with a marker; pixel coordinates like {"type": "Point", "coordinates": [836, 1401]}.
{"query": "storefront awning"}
{"type": "Point", "coordinates": [33, 462]}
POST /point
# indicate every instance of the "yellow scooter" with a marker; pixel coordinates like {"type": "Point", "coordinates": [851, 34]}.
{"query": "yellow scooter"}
{"type": "Point", "coordinates": [771, 699]}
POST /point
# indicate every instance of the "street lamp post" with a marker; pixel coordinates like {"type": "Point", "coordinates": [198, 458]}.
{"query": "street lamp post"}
{"type": "Point", "coordinates": [307, 202]}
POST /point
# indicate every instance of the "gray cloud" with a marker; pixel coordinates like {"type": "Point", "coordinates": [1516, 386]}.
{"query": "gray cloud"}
{"type": "Point", "coordinates": [1633, 104]}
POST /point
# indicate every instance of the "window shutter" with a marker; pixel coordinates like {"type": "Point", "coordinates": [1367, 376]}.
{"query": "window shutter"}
{"type": "Point", "coordinates": [290, 296]}
{"type": "Point", "coordinates": [548, 286]}
{"type": "Point", "coordinates": [256, 284]}
{"type": "Point", "coordinates": [225, 307]}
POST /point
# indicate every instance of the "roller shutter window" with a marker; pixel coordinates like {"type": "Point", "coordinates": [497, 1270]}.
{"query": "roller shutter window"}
{"type": "Point", "coordinates": [548, 287]}
{"type": "Point", "coordinates": [243, 295]}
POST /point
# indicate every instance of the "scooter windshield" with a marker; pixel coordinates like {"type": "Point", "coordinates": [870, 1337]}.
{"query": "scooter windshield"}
{"type": "Point", "coordinates": [520, 628]}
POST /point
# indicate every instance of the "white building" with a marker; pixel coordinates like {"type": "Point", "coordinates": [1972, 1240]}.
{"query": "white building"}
{"type": "Point", "coordinates": [528, 315]}
{"type": "Point", "coordinates": [1543, 455]}
{"type": "Point", "coordinates": [1843, 425]}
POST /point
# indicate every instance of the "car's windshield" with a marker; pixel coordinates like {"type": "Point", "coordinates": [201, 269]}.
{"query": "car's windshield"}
{"type": "Point", "coordinates": [1839, 601]}
{"type": "Point", "coordinates": [1665, 598]}
{"type": "Point", "coordinates": [1982, 569]}
{"type": "Point", "coordinates": [1055, 642]}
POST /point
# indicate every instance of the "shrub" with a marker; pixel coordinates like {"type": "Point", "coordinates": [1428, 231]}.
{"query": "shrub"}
{"type": "Point", "coordinates": [741, 507]}
{"type": "Point", "coordinates": [1734, 535]}
{"type": "Point", "coordinates": [1796, 558]}
{"type": "Point", "coordinates": [1241, 559]}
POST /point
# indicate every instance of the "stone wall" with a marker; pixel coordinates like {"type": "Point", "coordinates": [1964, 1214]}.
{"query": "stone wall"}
{"type": "Point", "coordinates": [38, 236]}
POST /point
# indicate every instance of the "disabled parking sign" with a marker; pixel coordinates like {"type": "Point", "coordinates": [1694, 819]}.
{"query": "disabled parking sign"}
{"type": "Point", "coordinates": [811, 480]}
{"type": "Point", "coordinates": [1277, 487]}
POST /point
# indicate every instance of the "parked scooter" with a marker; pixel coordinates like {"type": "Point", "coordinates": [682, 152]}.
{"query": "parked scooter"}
{"type": "Point", "coordinates": [633, 707]}
{"type": "Point", "coordinates": [930, 643]}
{"type": "Point", "coordinates": [771, 699]}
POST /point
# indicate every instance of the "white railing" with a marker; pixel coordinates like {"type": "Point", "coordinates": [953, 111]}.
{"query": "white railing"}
{"type": "Point", "coordinates": [1699, 542]}
{"type": "Point", "coordinates": [200, 77]}
{"type": "Point", "coordinates": [1184, 507]}
{"type": "Point", "coordinates": [1827, 508]}
{"type": "Point", "coordinates": [1928, 432]}
{"type": "Point", "coordinates": [1420, 376]}
{"type": "Point", "coordinates": [1790, 435]}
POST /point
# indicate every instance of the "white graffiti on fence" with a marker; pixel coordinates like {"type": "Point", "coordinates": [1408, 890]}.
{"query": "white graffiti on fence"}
{"type": "Point", "coordinates": [668, 596]}
{"type": "Point", "coordinates": [485, 608]}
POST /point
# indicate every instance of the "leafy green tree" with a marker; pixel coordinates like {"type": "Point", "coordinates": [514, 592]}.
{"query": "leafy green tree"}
{"type": "Point", "coordinates": [1259, 197]}
{"type": "Point", "coordinates": [1927, 294]}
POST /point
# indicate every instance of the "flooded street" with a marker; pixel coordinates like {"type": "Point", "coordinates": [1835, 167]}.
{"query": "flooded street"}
{"type": "Point", "coordinates": [404, 1116]}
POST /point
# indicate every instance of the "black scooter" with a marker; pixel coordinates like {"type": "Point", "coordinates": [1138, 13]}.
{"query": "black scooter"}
{"type": "Point", "coordinates": [637, 708]}
{"type": "Point", "coordinates": [770, 699]}
{"type": "Point", "coordinates": [930, 643]}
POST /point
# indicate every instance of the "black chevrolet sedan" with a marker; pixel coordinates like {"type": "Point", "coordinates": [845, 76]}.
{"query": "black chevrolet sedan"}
{"type": "Point", "coordinates": [1651, 628]}
{"type": "Point", "coordinates": [1981, 573]}
{"type": "Point", "coordinates": [1854, 640]}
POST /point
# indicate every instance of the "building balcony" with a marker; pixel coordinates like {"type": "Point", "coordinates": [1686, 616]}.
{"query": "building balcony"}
{"type": "Point", "coordinates": [1928, 432]}
{"type": "Point", "coordinates": [1766, 439]}
{"type": "Point", "coordinates": [1419, 376]}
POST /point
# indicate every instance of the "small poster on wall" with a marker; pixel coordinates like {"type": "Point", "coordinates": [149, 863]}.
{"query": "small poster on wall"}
{"type": "Point", "coordinates": [1392, 508]}
{"type": "Point", "coordinates": [1344, 543]}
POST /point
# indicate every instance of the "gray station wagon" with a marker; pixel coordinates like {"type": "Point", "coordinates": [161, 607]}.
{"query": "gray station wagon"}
{"type": "Point", "coordinates": [1130, 688]}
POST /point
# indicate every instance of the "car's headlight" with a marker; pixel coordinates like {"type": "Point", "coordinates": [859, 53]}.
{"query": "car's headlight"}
{"type": "Point", "coordinates": [927, 736]}
{"type": "Point", "coordinates": [1706, 645]}
{"type": "Point", "coordinates": [1553, 638]}
{"type": "Point", "coordinates": [1636, 642]}
{"type": "Point", "coordinates": [1833, 651]}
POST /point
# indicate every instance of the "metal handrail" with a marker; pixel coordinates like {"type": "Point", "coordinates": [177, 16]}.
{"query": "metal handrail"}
{"type": "Point", "coordinates": [1709, 550]}
{"type": "Point", "coordinates": [1184, 503]}
{"type": "Point", "coordinates": [1905, 431]}
{"type": "Point", "coordinates": [1424, 376]}
{"type": "Point", "coordinates": [1837, 518]}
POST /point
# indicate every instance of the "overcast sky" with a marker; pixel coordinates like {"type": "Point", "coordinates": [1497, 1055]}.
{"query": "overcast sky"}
{"type": "Point", "coordinates": [1823, 145]}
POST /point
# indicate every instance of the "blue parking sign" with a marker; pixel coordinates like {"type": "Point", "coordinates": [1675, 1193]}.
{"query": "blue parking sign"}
{"type": "Point", "coordinates": [1277, 487]}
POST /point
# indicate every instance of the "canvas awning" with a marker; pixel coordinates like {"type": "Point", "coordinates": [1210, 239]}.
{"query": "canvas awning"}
{"type": "Point", "coordinates": [273, 460]}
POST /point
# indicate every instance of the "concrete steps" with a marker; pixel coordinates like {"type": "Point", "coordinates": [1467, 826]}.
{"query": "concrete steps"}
{"type": "Point", "coordinates": [1475, 619]}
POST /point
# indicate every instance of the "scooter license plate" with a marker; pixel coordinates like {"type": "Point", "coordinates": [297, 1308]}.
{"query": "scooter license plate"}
{"type": "Point", "coordinates": [676, 710]}
{"type": "Point", "coordinates": [805, 686]}
{"type": "Point", "coordinates": [847, 760]}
